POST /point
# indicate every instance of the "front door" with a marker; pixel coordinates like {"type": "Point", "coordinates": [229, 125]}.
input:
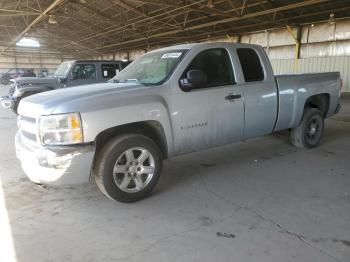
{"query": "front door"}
{"type": "Point", "coordinates": [211, 115]}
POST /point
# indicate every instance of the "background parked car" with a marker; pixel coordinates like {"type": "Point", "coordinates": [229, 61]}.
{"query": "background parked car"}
{"type": "Point", "coordinates": [15, 73]}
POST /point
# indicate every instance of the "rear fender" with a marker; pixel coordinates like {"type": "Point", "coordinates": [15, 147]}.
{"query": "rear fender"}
{"type": "Point", "coordinates": [296, 90]}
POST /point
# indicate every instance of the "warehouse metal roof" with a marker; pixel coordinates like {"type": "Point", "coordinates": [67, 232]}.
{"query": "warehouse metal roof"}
{"type": "Point", "coordinates": [94, 27]}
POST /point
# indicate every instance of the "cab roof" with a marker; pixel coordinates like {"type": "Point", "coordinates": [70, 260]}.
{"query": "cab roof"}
{"type": "Point", "coordinates": [208, 44]}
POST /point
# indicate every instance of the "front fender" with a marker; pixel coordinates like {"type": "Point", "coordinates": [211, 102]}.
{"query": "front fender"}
{"type": "Point", "coordinates": [127, 111]}
{"type": "Point", "coordinates": [24, 91]}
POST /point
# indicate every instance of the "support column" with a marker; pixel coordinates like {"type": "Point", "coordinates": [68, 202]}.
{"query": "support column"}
{"type": "Point", "coordinates": [15, 58]}
{"type": "Point", "coordinates": [239, 38]}
{"type": "Point", "coordinates": [296, 38]}
{"type": "Point", "coordinates": [230, 38]}
{"type": "Point", "coordinates": [40, 61]}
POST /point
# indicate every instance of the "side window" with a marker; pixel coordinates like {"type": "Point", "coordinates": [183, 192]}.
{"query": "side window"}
{"type": "Point", "coordinates": [216, 64]}
{"type": "Point", "coordinates": [251, 65]}
{"type": "Point", "coordinates": [109, 70]}
{"type": "Point", "coordinates": [84, 71]}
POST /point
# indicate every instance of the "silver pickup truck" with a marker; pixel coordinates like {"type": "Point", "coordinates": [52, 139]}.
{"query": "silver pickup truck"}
{"type": "Point", "coordinates": [168, 102]}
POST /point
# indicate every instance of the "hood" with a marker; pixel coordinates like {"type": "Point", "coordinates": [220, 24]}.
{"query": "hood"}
{"type": "Point", "coordinates": [75, 99]}
{"type": "Point", "coordinates": [21, 81]}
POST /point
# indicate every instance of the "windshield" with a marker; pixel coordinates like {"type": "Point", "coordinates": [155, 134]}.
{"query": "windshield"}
{"type": "Point", "coordinates": [62, 69]}
{"type": "Point", "coordinates": [152, 68]}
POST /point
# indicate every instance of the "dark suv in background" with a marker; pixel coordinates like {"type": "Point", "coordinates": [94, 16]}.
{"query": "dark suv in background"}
{"type": "Point", "coordinates": [68, 74]}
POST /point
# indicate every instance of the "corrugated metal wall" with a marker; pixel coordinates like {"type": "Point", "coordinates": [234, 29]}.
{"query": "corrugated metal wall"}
{"type": "Point", "coordinates": [317, 40]}
{"type": "Point", "coordinates": [315, 65]}
{"type": "Point", "coordinates": [32, 58]}
{"type": "Point", "coordinates": [122, 55]}
{"type": "Point", "coordinates": [325, 47]}
{"type": "Point", "coordinates": [29, 61]}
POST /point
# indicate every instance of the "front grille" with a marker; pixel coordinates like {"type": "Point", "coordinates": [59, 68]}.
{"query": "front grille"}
{"type": "Point", "coordinates": [29, 136]}
{"type": "Point", "coordinates": [28, 128]}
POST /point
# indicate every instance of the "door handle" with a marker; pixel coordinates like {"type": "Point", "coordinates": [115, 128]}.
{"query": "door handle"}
{"type": "Point", "coordinates": [232, 97]}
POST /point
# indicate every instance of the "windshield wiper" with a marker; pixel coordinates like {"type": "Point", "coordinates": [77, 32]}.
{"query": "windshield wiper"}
{"type": "Point", "coordinates": [132, 80]}
{"type": "Point", "coordinates": [127, 80]}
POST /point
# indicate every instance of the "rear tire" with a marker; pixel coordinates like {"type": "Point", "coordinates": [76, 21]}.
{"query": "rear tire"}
{"type": "Point", "coordinates": [309, 133]}
{"type": "Point", "coordinates": [128, 167]}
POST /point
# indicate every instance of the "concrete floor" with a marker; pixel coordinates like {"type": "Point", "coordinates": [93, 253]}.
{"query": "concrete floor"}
{"type": "Point", "coordinates": [261, 200]}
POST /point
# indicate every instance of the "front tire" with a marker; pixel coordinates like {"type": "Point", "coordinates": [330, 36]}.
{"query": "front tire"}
{"type": "Point", "coordinates": [5, 81]}
{"type": "Point", "coordinates": [128, 167]}
{"type": "Point", "coordinates": [309, 133]}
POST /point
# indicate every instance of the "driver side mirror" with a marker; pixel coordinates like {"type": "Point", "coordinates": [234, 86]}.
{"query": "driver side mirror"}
{"type": "Point", "coordinates": [194, 79]}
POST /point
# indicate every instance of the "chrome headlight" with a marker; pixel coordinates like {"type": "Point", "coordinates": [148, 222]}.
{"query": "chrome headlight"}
{"type": "Point", "coordinates": [63, 129]}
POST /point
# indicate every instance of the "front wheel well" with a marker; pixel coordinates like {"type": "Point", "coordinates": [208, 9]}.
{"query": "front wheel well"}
{"type": "Point", "coordinates": [320, 101]}
{"type": "Point", "coordinates": [151, 129]}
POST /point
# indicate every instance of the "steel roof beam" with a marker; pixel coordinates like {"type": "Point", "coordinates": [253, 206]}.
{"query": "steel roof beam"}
{"type": "Point", "coordinates": [33, 23]}
{"type": "Point", "coordinates": [224, 21]}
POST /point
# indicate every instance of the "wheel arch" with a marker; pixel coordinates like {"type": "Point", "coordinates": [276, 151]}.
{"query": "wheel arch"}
{"type": "Point", "coordinates": [150, 128]}
{"type": "Point", "coordinates": [35, 89]}
{"type": "Point", "coordinates": [319, 101]}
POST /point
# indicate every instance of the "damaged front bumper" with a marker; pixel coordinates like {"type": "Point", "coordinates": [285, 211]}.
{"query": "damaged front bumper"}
{"type": "Point", "coordinates": [55, 166]}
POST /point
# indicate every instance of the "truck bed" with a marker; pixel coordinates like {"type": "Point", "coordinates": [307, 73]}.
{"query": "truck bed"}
{"type": "Point", "coordinates": [295, 89]}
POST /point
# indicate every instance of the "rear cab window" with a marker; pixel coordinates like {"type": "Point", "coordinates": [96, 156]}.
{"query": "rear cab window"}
{"type": "Point", "coordinates": [251, 65]}
{"type": "Point", "coordinates": [109, 70]}
{"type": "Point", "coordinates": [125, 63]}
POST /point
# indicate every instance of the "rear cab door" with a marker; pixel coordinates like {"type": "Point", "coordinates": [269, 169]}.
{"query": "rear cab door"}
{"type": "Point", "coordinates": [259, 89]}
